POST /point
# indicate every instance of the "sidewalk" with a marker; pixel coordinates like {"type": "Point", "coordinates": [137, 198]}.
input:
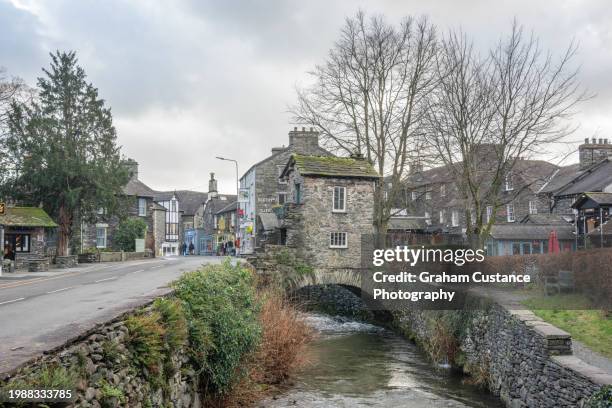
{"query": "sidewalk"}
{"type": "Point", "coordinates": [21, 275]}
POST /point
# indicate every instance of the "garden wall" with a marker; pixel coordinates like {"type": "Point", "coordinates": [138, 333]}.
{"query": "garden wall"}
{"type": "Point", "coordinates": [524, 360]}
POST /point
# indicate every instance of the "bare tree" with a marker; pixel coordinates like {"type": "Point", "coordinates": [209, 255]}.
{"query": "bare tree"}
{"type": "Point", "coordinates": [11, 89]}
{"type": "Point", "coordinates": [368, 98]}
{"type": "Point", "coordinates": [488, 112]}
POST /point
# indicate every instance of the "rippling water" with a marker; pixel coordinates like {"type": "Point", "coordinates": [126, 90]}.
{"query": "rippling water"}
{"type": "Point", "coordinates": [358, 364]}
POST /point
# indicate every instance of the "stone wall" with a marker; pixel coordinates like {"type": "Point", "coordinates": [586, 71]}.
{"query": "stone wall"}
{"type": "Point", "coordinates": [310, 223]}
{"type": "Point", "coordinates": [524, 360]}
{"type": "Point", "coordinates": [103, 364]}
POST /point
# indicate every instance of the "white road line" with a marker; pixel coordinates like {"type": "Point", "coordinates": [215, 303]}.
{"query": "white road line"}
{"type": "Point", "coordinates": [107, 279]}
{"type": "Point", "coordinates": [11, 301]}
{"type": "Point", "coordinates": [138, 271]}
{"type": "Point", "coordinates": [158, 266]}
{"type": "Point", "coordinates": [62, 289]}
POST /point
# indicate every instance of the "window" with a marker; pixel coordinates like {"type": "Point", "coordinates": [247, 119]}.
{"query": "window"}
{"type": "Point", "coordinates": [508, 182]}
{"type": "Point", "coordinates": [427, 218]}
{"type": "Point", "coordinates": [455, 218]}
{"type": "Point", "coordinates": [338, 240]}
{"type": "Point", "coordinates": [442, 190]}
{"type": "Point", "coordinates": [100, 236]}
{"type": "Point", "coordinates": [339, 200]}
{"type": "Point", "coordinates": [142, 207]}
{"type": "Point", "coordinates": [533, 207]}
{"type": "Point", "coordinates": [442, 217]}
{"type": "Point", "coordinates": [510, 212]}
{"type": "Point", "coordinates": [280, 171]}
{"type": "Point", "coordinates": [282, 198]}
{"type": "Point", "coordinates": [428, 195]}
{"type": "Point", "coordinates": [489, 212]}
{"type": "Point", "coordinates": [18, 242]}
{"type": "Point", "coordinates": [298, 193]}
{"type": "Point", "coordinates": [413, 195]}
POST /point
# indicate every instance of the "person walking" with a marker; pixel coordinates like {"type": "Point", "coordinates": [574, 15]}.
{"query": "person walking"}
{"type": "Point", "coordinates": [191, 248]}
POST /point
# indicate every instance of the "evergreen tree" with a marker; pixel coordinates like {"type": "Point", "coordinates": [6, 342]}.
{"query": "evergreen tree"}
{"type": "Point", "coordinates": [64, 149]}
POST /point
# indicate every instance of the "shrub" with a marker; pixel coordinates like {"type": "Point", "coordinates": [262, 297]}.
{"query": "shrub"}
{"type": "Point", "coordinates": [127, 232]}
{"type": "Point", "coordinates": [602, 398]}
{"type": "Point", "coordinates": [146, 339]}
{"type": "Point", "coordinates": [174, 322]}
{"type": "Point", "coordinates": [222, 314]}
{"type": "Point", "coordinates": [284, 337]}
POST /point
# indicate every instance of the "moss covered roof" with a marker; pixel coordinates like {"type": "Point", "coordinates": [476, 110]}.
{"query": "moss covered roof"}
{"type": "Point", "coordinates": [333, 166]}
{"type": "Point", "coordinates": [26, 217]}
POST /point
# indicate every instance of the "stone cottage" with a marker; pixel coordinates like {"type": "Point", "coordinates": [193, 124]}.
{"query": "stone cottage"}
{"type": "Point", "coordinates": [27, 233]}
{"type": "Point", "coordinates": [261, 188]}
{"type": "Point", "coordinates": [330, 206]}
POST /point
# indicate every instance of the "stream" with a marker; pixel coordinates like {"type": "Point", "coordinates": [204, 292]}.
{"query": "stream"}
{"type": "Point", "coordinates": [357, 364]}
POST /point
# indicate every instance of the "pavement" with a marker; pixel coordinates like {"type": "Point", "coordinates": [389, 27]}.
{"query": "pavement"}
{"type": "Point", "coordinates": [41, 313]}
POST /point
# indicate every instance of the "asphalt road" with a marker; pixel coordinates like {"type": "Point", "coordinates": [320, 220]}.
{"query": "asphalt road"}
{"type": "Point", "coordinates": [42, 313]}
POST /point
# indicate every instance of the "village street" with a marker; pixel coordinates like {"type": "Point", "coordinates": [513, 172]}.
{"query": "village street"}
{"type": "Point", "coordinates": [41, 313]}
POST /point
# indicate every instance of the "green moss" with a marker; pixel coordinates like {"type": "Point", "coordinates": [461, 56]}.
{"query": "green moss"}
{"type": "Point", "coordinates": [109, 392]}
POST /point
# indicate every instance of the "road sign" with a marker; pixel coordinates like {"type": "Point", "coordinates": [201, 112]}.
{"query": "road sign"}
{"type": "Point", "coordinates": [2, 208]}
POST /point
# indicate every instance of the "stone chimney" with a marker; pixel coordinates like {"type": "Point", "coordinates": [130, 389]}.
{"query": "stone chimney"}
{"type": "Point", "coordinates": [212, 186]}
{"type": "Point", "coordinates": [593, 151]}
{"type": "Point", "coordinates": [304, 141]}
{"type": "Point", "coordinates": [132, 168]}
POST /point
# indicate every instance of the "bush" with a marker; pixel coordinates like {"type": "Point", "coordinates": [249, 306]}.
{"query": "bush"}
{"type": "Point", "coordinates": [222, 314]}
{"type": "Point", "coordinates": [602, 398]}
{"type": "Point", "coordinates": [127, 232]}
{"type": "Point", "coordinates": [146, 340]}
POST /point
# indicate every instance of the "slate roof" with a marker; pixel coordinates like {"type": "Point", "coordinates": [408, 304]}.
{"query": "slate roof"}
{"type": "Point", "coordinates": [320, 151]}
{"type": "Point", "coordinates": [189, 200]}
{"type": "Point", "coordinates": [26, 217]}
{"type": "Point", "coordinates": [561, 177]}
{"type": "Point", "coordinates": [228, 208]}
{"type": "Point", "coordinates": [594, 178]}
{"type": "Point", "coordinates": [135, 187]}
{"type": "Point", "coordinates": [530, 231]}
{"type": "Point", "coordinates": [544, 219]}
{"type": "Point", "coordinates": [331, 167]}
{"type": "Point", "coordinates": [269, 221]}
{"type": "Point", "coordinates": [534, 173]}
{"type": "Point", "coordinates": [597, 197]}
{"type": "Point", "coordinates": [218, 203]}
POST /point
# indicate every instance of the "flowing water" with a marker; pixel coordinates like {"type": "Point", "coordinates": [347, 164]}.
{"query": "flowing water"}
{"type": "Point", "coordinates": [357, 364]}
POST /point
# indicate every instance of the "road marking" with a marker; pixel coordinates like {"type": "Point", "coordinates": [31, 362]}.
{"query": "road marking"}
{"type": "Point", "coordinates": [11, 301]}
{"type": "Point", "coordinates": [60, 290]}
{"type": "Point", "coordinates": [158, 266]}
{"type": "Point", "coordinates": [107, 279]}
{"type": "Point", "coordinates": [140, 270]}
{"type": "Point", "coordinates": [36, 280]}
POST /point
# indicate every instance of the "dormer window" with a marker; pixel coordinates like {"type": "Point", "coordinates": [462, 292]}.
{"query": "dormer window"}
{"type": "Point", "coordinates": [280, 171]}
{"type": "Point", "coordinates": [428, 194]}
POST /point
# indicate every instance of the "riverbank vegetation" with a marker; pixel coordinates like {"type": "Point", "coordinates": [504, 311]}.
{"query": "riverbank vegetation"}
{"type": "Point", "coordinates": [246, 340]}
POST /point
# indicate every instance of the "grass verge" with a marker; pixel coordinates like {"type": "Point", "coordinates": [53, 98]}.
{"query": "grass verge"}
{"type": "Point", "coordinates": [591, 327]}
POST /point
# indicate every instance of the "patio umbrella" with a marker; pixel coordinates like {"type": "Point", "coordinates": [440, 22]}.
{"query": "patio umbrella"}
{"type": "Point", "coordinates": [553, 243]}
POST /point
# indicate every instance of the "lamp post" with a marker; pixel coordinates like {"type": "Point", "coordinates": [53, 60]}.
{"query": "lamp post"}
{"type": "Point", "coordinates": [237, 223]}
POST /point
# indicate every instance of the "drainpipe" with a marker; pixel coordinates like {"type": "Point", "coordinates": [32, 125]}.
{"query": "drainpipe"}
{"type": "Point", "coordinates": [600, 227]}
{"type": "Point", "coordinates": [1, 247]}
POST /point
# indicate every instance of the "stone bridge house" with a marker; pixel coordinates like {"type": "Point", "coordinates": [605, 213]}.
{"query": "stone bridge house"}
{"type": "Point", "coordinates": [330, 206]}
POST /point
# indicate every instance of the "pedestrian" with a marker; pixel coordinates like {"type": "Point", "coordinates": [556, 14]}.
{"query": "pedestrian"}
{"type": "Point", "coordinates": [184, 249]}
{"type": "Point", "coordinates": [191, 248]}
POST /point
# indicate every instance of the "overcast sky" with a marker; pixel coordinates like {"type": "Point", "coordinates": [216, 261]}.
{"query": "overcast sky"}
{"type": "Point", "coordinates": [191, 80]}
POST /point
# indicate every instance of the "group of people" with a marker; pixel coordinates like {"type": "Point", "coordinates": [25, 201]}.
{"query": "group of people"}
{"type": "Point", "coordinates": [188, 250]}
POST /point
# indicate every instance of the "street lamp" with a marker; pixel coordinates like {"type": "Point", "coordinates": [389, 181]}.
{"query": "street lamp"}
{"type": "Point", "coordinates": [236, 227]}
{"type": "Point", "coordinates": [237, 180]}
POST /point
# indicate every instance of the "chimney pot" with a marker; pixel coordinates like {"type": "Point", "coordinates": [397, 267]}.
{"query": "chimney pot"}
{"type": "Point", "coordinates": [303, 129]}
{"type": "Point", "coordinates": [295, 128]}
{"type": "Point", "coordinates": [586, 140]}
{"type": "Point", "coordinates": [594, 141]}
{"type": "Point", "coordinates": [311, 129]}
